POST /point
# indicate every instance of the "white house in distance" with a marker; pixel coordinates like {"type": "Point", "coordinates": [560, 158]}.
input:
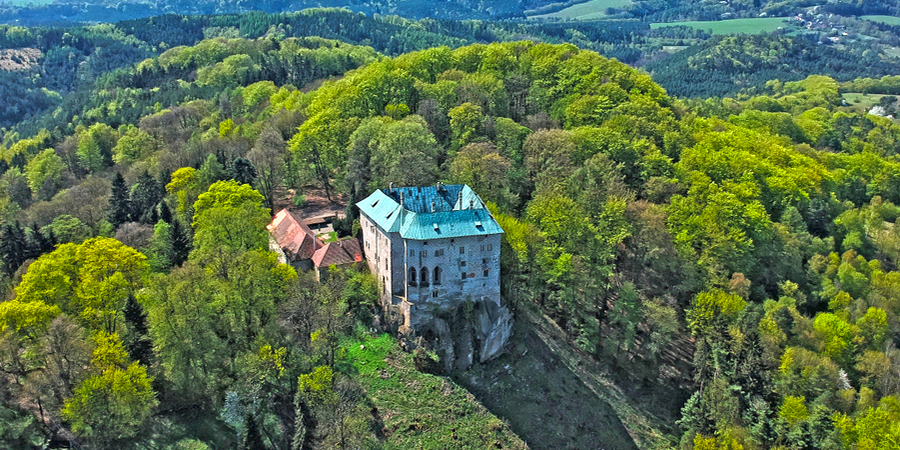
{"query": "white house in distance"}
{"type": "Point", "coordinates": [433, 248]}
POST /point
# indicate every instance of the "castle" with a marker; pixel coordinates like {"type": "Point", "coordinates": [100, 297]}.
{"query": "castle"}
{"type": "Point", "coordinates": [433, 250]}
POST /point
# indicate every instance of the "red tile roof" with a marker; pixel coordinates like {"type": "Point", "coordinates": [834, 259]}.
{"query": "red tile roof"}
{"type": "Point", "coordinates": [293, 236]}
{"type": "Point", "coordinates": [338, 253]}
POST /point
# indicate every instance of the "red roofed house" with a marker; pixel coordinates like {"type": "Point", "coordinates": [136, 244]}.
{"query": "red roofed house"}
{"type": "Point", "coordinates": [295, 239]}
{"type": "Point", "coordinates": [338, 253]}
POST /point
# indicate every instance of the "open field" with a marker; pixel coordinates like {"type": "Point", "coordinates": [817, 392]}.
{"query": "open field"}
{"type": "Point", "coordinates": [863, 100]}
{"type": "Point", "coordinates": [890, 20]}
{"type": "Point", "coordinates": [592, 9]}
{"type": "Point", "coordinates": [733, 26]}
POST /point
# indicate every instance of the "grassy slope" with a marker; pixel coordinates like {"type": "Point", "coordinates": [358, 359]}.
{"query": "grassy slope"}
{"type": "Point", "coordinates": [890, 20]}
{"type": "Point", "coordinates": [733, 26]}
{"type": "Point", "coordinates": [592, 9]}
{"type": "Point", "coordinates": [423, 411]}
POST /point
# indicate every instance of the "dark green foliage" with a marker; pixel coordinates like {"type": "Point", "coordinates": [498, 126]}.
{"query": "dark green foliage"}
{"type": "Point", "coordinates": [13, 247]}
{"type": "Point", "coordinates": [120, 208]}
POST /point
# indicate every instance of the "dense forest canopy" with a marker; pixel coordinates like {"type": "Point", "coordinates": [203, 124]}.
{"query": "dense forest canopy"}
{"type": "Point", "coordinates": [756, 233]}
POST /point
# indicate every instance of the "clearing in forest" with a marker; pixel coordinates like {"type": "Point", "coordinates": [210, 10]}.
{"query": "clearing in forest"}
{"type": "Point", "coordinates": [592, 9]}
{"type": "Point", "coordinates": [890, 20]}
{"type": "Point", "coordinates": [732, 26]}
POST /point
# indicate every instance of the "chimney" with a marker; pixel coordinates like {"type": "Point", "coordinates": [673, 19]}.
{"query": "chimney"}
{"type": "Point", "coordinates": [432, 206]}
{"type": "Point", "coordinates": [459, 201]}
{"type": "Point", "coordinates": [392, 187]}
{"type": "Point", "coordinates": [401, 198]}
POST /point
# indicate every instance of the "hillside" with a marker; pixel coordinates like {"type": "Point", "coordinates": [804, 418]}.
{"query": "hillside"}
{"type": "Point", "coordinates": [734, 256]}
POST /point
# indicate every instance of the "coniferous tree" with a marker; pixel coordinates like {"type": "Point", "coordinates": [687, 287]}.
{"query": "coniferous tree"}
{"type": "Point", "coordinates": [165, 214]}
{"type": "Point", "coordinates": [243, 171]}
{"type": "Point", "coordinates": [18, 160]}
{"type": "Point", "coordinates": [145, 195]}
{"type": "Point", "coordinates": [138, 343]}
{"type": "Point", "coordinates": [119, 202]}
{"type": "Point", "coordinates": [181, 244]}
{"type": "Point", "coordinates": [13, 247]}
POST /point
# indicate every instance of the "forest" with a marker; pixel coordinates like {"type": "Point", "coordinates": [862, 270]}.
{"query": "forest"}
{"type": "Point", "coordinates": [141, 307]}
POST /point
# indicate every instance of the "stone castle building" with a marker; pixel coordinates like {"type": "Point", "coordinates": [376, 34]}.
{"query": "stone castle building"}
{"type": "Point", "coordinates": [436, 252]}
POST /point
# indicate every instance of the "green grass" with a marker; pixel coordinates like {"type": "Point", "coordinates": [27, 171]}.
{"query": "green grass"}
{"type": "Point", "coordinates": [329, 237]}
{"type": "Point", "coordinates": [419, 410]}
{"type": "Point", "coordinates": [592, 9]}
{"type": "Point", "coordinates": [733, 26]}
{"type": "Point", "coordinates": [890, 20]}
{"type": "Point", "coordinates": [864, 100]}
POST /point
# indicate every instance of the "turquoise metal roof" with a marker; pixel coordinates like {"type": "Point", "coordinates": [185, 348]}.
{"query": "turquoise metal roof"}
{"type": "Point", "coordinates": [430, 212]}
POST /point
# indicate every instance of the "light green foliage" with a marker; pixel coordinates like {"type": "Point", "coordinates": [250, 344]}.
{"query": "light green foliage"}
{"type": "Point", "coordinates": [95, 146]}
{"type": "Point", "coordinates": [793, 410]}
{"type": "Point", "coordinates": [229, 216]}
{"type": "Point", "coordinates": [711, 308]}
{"type": "Point", "coordinates": [26, 316]}
{"type": "Point", "coordinates": [466, 122]}
{"type": "Point", "coordinates": [112, 405]}
{"type": "Point", "coordinates": [232, 70]}
{"type": "Point", "coordinates": [90, 281]}
{"type": "Point", "coordinates": [44, 173]}
{"type": "Point", "coordinates": [68, 229]}
{"type": "Point", "coordinates": [134, 145]}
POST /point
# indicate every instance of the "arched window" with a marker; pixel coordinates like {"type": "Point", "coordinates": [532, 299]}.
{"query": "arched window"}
{"type": "Point", "coordinates": [424, 277]}
{"type": "Point", "coordinates": [412, 276]}
{"type": "Point", "coordinates": [437, 275]}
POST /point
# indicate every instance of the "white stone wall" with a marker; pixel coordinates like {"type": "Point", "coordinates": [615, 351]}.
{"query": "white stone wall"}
{"type": "Point", "coordinates": [390, 257]}
{"type": "Point", "coordinates": [377, 248]}
{"type": "Point", "coordinates": [479, 260]}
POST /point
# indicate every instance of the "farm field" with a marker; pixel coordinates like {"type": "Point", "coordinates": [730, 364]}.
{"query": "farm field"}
{"type": "Point", "coordinates": [593, 9]}
{"type": "Point", "coordinates": [733, 26]}
{"type": "Point", "coordinates": [890, 20]}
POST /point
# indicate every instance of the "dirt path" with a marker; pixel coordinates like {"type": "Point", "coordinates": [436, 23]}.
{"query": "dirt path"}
{"type": "Point", "coordinates": [557, 398]}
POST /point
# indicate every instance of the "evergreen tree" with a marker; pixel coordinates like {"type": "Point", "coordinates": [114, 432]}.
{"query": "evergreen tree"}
{"type": "Point", "coordinates": [119, 202]}
{"type": "Point", "coordinates": [252, 437]}
{"type": "Point", "coordinates": [181, 244]}
{"type": "Point", "coordinates": [243, 171]}
{"type": "Point", "coordinates": [145, 195]}
{"type": "Point", "coordinates": [13, 247]}
{"type": "Point", "coordinates": [18, 160]}
{"type": "Point", "coordinates": [137, 343]}
{"type": "Point", "coordinates": [165, 214]}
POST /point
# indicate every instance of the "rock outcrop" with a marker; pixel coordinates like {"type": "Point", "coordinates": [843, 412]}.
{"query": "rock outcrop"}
{"type": "Point", "coordinates": [476, 330]}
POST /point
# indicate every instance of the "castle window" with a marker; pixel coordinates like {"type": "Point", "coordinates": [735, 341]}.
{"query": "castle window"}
{"type": "Point", "coordinates": [412, 253]}
{"type": "Point", "coordinates": [434, 294]}
{"type": "Point", "coordinates": [482, 247]}
{"type": "Point", "coordinates": [486, 272]}
{"type": "Point", "coordinates": [463, 275]}
{"type": "Point", "coordinates": [462, 250]}
{"type": "Point", "coordinates": [424, 278]}
{"type": "Point", "coordinates": [412, 276]}
{"type": "Point", "coordinates": [462, 264]}
{"type": "Point", "coordinates": [439, 252]}
{"type": "Point", "coordinates": [490, 247]}
{"type": "Point", "coordinates": [437, 275]}
{"type": "Point", "coordinates": [484, 261]}
{"type": "Point", "coordinates": [424, 253]}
